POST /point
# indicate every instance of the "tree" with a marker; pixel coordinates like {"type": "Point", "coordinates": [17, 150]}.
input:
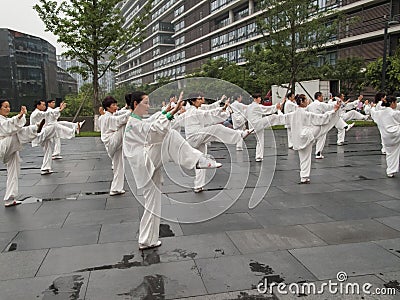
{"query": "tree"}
{"type": "Point", "coordinates": [294, 31]}
{"type": "Point", "coordinates": [349, 71]}
{"type": "Point", "coordinates": [374, 73]}
{"type": "Point", "coordinates": [80, 102]}
{"type": "Point", "coordinates": [93, 32]}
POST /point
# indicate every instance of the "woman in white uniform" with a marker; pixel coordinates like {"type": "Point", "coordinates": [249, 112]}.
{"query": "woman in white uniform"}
{"type": "Point", "coordinates": [12, 135]}
{"type": "Point", "coordinates": [146, 143]}
{"type": "Point", "coordinates": [201, 128]}
{"type": "Point", "coordinates": [388, 120]}
{"type": "Point", "coordinates": [112, 126]}
{"type": "Point", "coordinates": [307, 127]}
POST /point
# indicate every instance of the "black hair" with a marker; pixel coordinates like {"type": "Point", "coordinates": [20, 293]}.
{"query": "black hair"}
{"type": "Point", "coordinates": [172, 96]}
{"type": "Point", "coordinates": [300, 98]}
{"type": "Point", "coordinates": [51, 100]}
{"type": "Point", "coordinates": [137, 97]}
{"type": "Point", "coordinates": [379, 96]}
{"type": "Point", "coordinates": [317, 95]}
{"type": "Point", "coordinates": [2, 101]}
{"type": "Point", "coordinates": [389, 100]}
{"type": "Point", "coordinates": [289, 95]}
{"type": "Point", "coordinates": [193, 97]}
{"type": "Point", "coordinates": [256, 95]}
{"type": "Point", "coordinates": [128, 99]}
{"type": "Point", "coordinates": [108, 101]}
{"type": "Point", "coordinates": [37, 102]}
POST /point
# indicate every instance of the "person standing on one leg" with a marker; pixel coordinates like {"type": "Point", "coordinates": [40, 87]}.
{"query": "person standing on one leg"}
{"type": "Point", "coordinates": [239, 118]}
{"type": "Point", "coordinates": [388, 120]}
{"type": "Point", "coordinates": [201, 128]}
{"type": "Point", "coordinates": [146, 143]}
{"type": "Point", "coordinates": [255, 113]}
{"type": "Point", "coordinates": [47, 141]}
{"type": "Point", "coordinates": [64, 129]}
{"type": "Point", "coordinates": [12, 135]}
{"type": "Point", "coordinates": [289, 106]}
{"type": "Point", "coordinates": [112, 128]}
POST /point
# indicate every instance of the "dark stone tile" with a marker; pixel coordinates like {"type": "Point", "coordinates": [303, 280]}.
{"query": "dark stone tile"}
{"type": "Point", "coordinates": [345, 232]}
{"type": "Point", "coordinates": [224, 222]}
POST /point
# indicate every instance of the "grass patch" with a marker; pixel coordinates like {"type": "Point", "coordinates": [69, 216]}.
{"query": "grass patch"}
{"type": "Point", "coordinates": [88, 134]}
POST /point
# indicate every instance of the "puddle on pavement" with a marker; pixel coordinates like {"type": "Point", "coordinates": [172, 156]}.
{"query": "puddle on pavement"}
{"type": "Point", "coordinates": [152, 287]}
{"type": "Point", "coordinates": [165, 231]}
{"type": "Point", "coordinates": [269, 273]}
{"type": "Point", "coordinates": [184, 253]}
{"type": "Point", "coordinates": [95, 193]}
{"type": "Point", "coordinates": [32, 199]}
{"type": "Point", "coordinates": [64, 288]}
{"type": "Point", "coordinates": [393, 284]}
{"type": "Point", "coordinates": [11, 247]}
{"type": "Point", "coordinates": [148, 259]}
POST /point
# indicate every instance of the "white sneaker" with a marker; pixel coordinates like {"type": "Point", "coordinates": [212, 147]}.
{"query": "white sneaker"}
{"type": "Point", "coordinates": [198, 190]}
{"type": "Point", "coordinates": [349, 126]}
{"type": "Point", "coordinates": [340, 144]}
{"type": "Point", "coordinates": [239, 149]}
{"type": "Point", "coordinates": [319, 156]}
{"type": "Point", "coordinates": [144, 247]}
{"type": "Point", "coordinates": [46, 172]}
{"type": "Point", "coordinates": [305, 180]}
{"type": "Point", "coordinates": [11, 202]}
{"type": "Point", "coordinates": [246, 133]}
{"type": "Point", "coordinates": [383, 151]}
{"type": "Point", "coordinates": [259, 159]}
{"type": "Point", "coordinates": [56, 157]}
{"type": "Point", "coordinates": [207, 162]}
{"type": "Point", "coordinates": [114, 193]}
{"type": "Point", "coordinates": [390, 175]}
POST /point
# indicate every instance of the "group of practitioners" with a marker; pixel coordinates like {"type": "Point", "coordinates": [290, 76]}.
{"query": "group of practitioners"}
{"type": "Point", "coordinates": [146, 142]}
{"type": "Point", "coordinates": [44, 130]}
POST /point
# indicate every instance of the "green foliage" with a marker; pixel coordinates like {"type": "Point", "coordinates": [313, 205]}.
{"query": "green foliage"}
{"type": "Point", "coordinates": [392, 78]}
{"type": "Point", "coordinates": [350, 72]}
{"type": "Point", "coordinates": [93, 32]}
{"type": "Point", "coordinates": [74, 102]}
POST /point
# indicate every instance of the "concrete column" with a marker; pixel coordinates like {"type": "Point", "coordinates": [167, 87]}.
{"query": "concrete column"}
{"type": "Point", "coordinates": [251, 7]}
{"type": "Point", "coordinates": [231, 17]}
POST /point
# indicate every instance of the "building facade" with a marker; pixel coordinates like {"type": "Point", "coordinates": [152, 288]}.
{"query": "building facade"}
{"type": "Point", "coordinates": [182, 35]}
{"type": "Point", "coordinates": [28, 69]}
{"type": "Point", "coordinates": [107, 82]}
{"type": "Point", "coordinates": [66, 83]}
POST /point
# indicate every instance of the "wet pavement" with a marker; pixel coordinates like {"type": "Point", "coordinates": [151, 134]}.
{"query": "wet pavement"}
{"type": "Point", "coordinates": [71, 240]}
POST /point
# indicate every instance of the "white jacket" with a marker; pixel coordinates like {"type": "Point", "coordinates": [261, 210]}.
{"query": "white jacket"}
{"type": "Point", "coordinates": [388, 121]}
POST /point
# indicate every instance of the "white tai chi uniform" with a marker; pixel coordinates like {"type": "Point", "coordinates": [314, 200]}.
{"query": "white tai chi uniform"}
{"type": "Point", "coordinates": [255, 113]}
{"type": "Point", "coordinates": [112, 127]}
{"type": "Point", "coordinates": [47, 140]}
{"type": "Point", "coordinates": [146, 143]}
{"type": "Point", "coordinates": [341, 125]}
{"type": "Point", "coordinates": [290, 106]}
{"type": "Point", "coordinates": [318, 107]}
{"type": "Point", "coordinates": [306, 128]}
{"type": "Point", "coordinates": [64, 129]}
{"type": "Point", "coordinates": [200, 129]}
{"type": "Point", "coordinates": [239, 119]}
{"type": "Point", "coordinates": [388, 121]}
{"type": "Point", "coordinates": [12, 136]}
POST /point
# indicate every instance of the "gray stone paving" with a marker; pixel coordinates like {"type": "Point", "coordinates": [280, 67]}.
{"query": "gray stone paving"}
{"type": "Point", "coordinates": [71, 240]}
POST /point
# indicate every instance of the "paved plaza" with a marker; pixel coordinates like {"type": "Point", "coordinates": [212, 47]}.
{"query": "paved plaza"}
{"type": "Point", "coordinates": [71, 240]}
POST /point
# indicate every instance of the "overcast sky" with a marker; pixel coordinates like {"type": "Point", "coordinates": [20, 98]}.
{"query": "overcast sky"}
{"type": "Point", "coordinates": [19, 15]}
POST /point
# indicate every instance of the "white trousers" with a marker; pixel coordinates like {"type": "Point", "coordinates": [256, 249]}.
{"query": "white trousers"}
{"type": "Point", "coordinates": [259, 127]}
{"type": "Point", "coordinates": [392, 158]}
{"type": "Point", "coordinates": [340, 126]}
{"type": "Point", "coordinates": [289, 137]}
{"type": "Point", "coordinates": [353, 115]}
{"type": "Point", "coordinates": [305, 161]}
{"type": "Point", "coordinates": [213, 133]}
{"type": "Point", "coordinates": [114, 150]}
{"type": "Point", "coordinates": [12, 159]}
{"type": "Point", "coordinates": [320, 144]}
{"type": "Point", "coordinates": [48, 146]}
{"type": "Point", "coordinates": [173, 148]}
{"type": "Point", "coordinates": [239, 123]}
{"type": "Point", "coordinates": [64, 130]}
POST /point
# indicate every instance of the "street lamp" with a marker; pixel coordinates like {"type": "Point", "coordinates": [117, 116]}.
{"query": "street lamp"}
{"type": "Point", "coordinates": [385, 38]}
